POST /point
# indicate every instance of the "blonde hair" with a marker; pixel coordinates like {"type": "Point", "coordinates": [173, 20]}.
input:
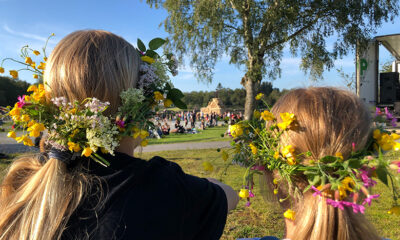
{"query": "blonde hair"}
{"type": "Point", "coordinates": [37, 195]}
{"type": "Point", "coordinates": [331, 120]}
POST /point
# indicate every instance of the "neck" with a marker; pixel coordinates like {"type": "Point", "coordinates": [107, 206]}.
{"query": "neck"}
{"type": "Point", "coordinates": [289, 228]}
{"type": "Point", "coordinates": [127, 145]}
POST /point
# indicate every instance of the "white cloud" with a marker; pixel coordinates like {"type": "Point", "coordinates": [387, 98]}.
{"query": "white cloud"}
{"type": "Point", "coordinates": [26, 35]}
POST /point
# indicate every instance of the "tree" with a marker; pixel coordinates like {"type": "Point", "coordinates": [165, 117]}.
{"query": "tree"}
{"type": "Point", "coordinates": [387, 66]}
{"type": "Point", "coordinates": [254, 33]}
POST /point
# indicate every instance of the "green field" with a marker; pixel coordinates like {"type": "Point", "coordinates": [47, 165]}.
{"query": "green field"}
{"type": "Point", "coordinates": [213, 134]}
{"type": "Point", "coordinates": [262, 218]}
{"type": "Point", "coordinates": [265, 218]}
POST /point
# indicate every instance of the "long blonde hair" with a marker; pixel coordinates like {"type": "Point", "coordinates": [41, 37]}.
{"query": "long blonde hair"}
{"type": "Point", "coordinates": [37, 195]}
{"type": "Point", "coordinates": [330, 120]}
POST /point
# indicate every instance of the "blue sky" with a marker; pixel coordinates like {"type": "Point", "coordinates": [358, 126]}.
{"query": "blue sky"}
{"type": "Point", "coordinates": [30, 22]}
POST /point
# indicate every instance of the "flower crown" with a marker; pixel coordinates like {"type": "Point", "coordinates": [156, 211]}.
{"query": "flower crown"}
{"type": "Point", "coordinates": [257, 147]}
{"type": "Point", "coordinates": [81, 128]}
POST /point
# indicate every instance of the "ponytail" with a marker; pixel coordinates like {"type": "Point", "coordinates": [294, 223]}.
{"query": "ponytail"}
{"type": "Point", "coordinates": [316, 220]}
{"type": "Point", "coordinates": [37, 198]}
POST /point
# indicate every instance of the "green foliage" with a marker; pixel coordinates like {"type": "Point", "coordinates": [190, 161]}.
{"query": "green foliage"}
{"type": "Point", "coordinates": [231, 98]}
{"type": "Point", "coordinates": [254, 32]}
{"type": "Point", "coordinates": [10, 89]}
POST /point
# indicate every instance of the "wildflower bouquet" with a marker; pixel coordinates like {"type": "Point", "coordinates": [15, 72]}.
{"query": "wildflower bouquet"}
{"type": "Point", "coordinates": [257, 146]}
{"type": "Point", "coordinates": [81, 128]}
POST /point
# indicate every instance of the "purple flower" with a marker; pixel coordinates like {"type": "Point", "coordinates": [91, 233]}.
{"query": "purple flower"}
{"type": "Point", "coordinates": [317, 192]}
{"type": "Point", "coordinates": [336, 204]}
{"type": "Point", "coordinates": [393, 122]}
{"type": "Point", "coordinates": [248, 204]}
{"type": "Point", "coordinates": [21, 101]}
{"type": "Point", "coordinates": [358, 208]}
{"type": "Point", "coordinates": [368, 182]}
{"type": "Point", "coordinates": [369, 198]}
{"type": "Point", "coordinates": [120, 123]}
{"type": "Point", "coordinates": [258, 168]}
{"type": "Point", "coordinates": [377, 111]}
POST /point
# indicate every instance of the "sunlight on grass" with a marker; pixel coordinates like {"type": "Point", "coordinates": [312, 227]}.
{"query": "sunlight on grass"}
{"type": "Point", "coordinates": [208, 135]}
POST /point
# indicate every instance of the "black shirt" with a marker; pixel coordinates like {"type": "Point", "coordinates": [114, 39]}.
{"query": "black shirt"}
{"type": "Point", "coordinates": [151, 199]}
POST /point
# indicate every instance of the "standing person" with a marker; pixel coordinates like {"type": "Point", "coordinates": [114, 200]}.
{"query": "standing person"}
{"type": "Point", "coordinates": [327, 123]}
{"type": "Point", "coordinates": [64, 194]}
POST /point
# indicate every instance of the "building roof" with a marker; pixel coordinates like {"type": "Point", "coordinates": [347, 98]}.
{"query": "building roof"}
{"type": "Point", "coordinates": [391, 43]}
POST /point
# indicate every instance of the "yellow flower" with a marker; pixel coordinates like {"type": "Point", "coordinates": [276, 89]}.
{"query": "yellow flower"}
{"type": "Point", "coordinates": [396, 146]}
{"type": "Point", "coordinates": [35, 76]}
{"type": "Point", "coordinates": [385, 142]}
{"type": "Point", "coordinates": [45, 59]}
{"type": "Point", "coordinates": [347, 184]}
{"type": "Point", "coordinates": [225, 156]}
{"type": "Point", "coordinates": [287, 119]}
{"type": "Point", "coordinates": [394, 210]}
{"type": "Point", "coordinates": [72, 111]}
{"type": "Point", "coordinates": [339, 155]}
{"type": "Point", "coordinates": [256, 114]}
{"type": "Point", "coordinates": [31, 122]}
{"type": "Point", "coordinates": [36, 52]}
{"type": "Point", "coordinates": [42, 66]}
{"type": "Point", "coordinates": [276, 155]}
{"type": "Point", "coordinates": [275, 181]}
{"type": "Point", "coordinates": [15, 112]}
{"type": "Point", "coordinates": [291, 160]}
{"type": "Point", "coordinates": [14, 73]}
{"type": "Point", "coordinates": [33, 65]}
{"type": "Point", "coordinates": [253, 148]}
{"type": "Point", "coordinates": [73, 147]}
{"type": "Point", "coordinates": [267, 116]}
{"type": "Point", "coordinates": [28, 60]}
{"type": "Point", "coordinates": [395, 136]}
{"type": "Point", "coordinates": [259, 96]}
{"type": "Point", "coordinates": [148, 59]}
{"type": "Point", "coordinates": [158, 96]}
{"type": "Point", "coordinates": [32, 88]}
{"type": "Point", "coordinates": [25, 118]}
{"type": "Point", "coordinates": [39, 127]}
{"type": "Point", "coordinates": [144, 143]}
{"type": "Point", "coordinates": [208, 166]}
{"type": "Point", "coordinates": [12, 134]}
{"type": "Point", "coordinates": [275, 191]}
{"type": "Point", "coordinates": [87, 152]}
{"type": "Point", "coordinates": [167, 103]}
{"type": "Point", "coordinates": [290, 214]}
{"type": "Point", "coordinates": [288, 151]}
{"type": "Point", "coordinates": [236, 130]}
{"type": "Point", "coordinates": [244, 193]}
{"type": "Point", "coordinates": [25, 139]}
{"type": "Point", "coordinates": [143, 134]}
{"type": "Point", "coordinates": [1, 70]}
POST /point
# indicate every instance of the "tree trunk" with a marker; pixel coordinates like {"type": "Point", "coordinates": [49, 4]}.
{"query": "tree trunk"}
{"type": "Point", "coordinates": [249, 105]}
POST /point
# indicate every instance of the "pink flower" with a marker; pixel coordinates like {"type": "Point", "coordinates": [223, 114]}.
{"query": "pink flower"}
{"type": "Point", "coordinates": [369, 199]}
{"type": "Point", "coordinates": [251, 194]}
{"type": "Point", "coordinates": [393, 122]}
{"type": "Point", "coordinates": [316, 191]}
{"type": "Point", "coordinates": [258, 168]}
{"type": "Point", "coordinates": [378, 112]}
{"type": "Point", "coordinates": [21, 101]}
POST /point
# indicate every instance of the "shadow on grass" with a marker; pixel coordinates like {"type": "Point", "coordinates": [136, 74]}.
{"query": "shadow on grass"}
{"type": "Point", "coordinates": [183, 158]}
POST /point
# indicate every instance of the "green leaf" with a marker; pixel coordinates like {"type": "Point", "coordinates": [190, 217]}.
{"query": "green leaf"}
{"type": "Point", "coordinates": [355, 163]}
{"type": "Point", "coordinates": [178, 103]}
{"type": "Point", "coordinates": [155, 43]}
{"type": "Point", "coordinates": [168, 87]}
{"type": "Point", "coordinates": [382, 174]}
{"type": "Point", "coordinates": [141, 45]}
{"type": "Point", "coordinates": [175, 94]}
{"type": "Point", "coordinates": [152, 54]}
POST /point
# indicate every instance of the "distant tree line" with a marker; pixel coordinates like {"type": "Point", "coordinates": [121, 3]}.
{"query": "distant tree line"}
{"type": "Point", "coordinates": [10, 89]}
{"type": "Point", "coordinates": [231, 98]}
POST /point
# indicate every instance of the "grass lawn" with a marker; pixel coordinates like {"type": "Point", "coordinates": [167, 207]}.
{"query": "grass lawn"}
{"type": "Point", "coordinates": [213, 134]}
{"type": "Point", "coordinates": [265, 218]}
